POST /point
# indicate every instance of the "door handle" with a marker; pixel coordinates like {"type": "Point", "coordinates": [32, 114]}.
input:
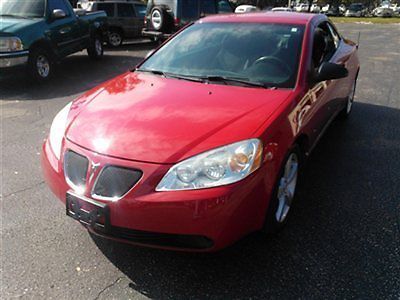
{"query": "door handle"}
{"type": "Point", "coordinates": [65, 30]}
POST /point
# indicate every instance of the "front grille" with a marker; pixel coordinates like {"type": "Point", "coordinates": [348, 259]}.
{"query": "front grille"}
{"type": "Point", "coordinates": [114, 182]}
{"type": "Point", "coordinates": [75, 169]}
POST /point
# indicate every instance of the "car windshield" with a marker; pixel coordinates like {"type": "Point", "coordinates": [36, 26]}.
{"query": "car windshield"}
{"type": "Point", "coordinates": [257, 53]}
{"type": "Point", "coordinates": [25, 9]}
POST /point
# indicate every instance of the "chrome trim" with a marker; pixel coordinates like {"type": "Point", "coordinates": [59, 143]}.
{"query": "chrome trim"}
{"type": "Point", "coordinates": [14, 54]}
{"type": "Point", "coordinates": [89, 200]}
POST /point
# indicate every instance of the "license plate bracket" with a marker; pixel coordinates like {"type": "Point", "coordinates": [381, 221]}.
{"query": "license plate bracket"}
{"type": "Point", "coordinates": [88, 212]}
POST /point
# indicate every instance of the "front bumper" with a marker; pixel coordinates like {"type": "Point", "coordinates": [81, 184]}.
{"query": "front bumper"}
{"type": "Point", "coordinates": [13, 59]}
{"type": "Point", "coordinates": [212, 218]}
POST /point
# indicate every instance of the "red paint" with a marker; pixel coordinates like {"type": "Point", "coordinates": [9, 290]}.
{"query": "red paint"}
{"type": "Point", "coordinates": [149, 123]}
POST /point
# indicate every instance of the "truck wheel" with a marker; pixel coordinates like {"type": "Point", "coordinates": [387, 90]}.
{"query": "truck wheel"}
{"type": "Point", "coordinates": [115, 38]}
{"type": "Point", "coordinates": [40, 65]}
{"type": "Point", "coordinates": [95, 50]}
{"type": "Point", "coordinates": [160, 19]}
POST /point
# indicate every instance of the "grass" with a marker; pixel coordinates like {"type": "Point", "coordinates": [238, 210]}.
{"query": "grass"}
{"type": "Point", "coordinates": [366, 20]}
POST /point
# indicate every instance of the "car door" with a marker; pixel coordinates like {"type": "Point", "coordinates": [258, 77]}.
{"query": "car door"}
{"type": "Point", "coordinates": [63, 32]}
{"type": "Point", "coordinates": [319, 104]}
{"type": "Point", "coordinates": [126, 16]}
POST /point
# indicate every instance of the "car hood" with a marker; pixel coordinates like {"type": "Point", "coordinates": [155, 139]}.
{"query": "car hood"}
{"type": "Point", "coordinates": [11, 26]}
{"type": "Point", "coordinates": [148, 118]}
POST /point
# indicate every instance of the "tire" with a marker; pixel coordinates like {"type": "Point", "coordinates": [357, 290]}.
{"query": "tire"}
{"type": "Point", "coordinates": [160, 19]}
{"type": "Point", "coordinates": [345, 113]}
{"type": "Point", "coordinates": [286, 186]}
{"type": "Point", "coordinates": [95, 50]}
{"type": "Point", "coordinates": [115, 38]}
{"type": "Point", "coordinates": [40, 65]}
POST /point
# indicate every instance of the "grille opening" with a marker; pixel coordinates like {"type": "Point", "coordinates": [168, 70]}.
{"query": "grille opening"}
{"type": "Point", "coordinates": [75, 169]}
{"type": "Point", "coordinates": [115, 182]}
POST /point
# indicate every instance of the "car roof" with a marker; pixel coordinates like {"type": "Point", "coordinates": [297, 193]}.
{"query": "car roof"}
{"type": "Point", "coordinates": [264, 17]}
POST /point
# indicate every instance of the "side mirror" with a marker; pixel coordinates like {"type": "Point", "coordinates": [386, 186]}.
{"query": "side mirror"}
{"type": "Point", "coordinates": [329, 71]}
{"type": "Point", "coordinates": [58, 14]}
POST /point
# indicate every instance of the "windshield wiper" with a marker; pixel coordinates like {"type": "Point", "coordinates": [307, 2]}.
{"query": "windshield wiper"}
{"type": "Point", "coordinates": [171, 75]}
{"type": "Point", "coordinates": [156, 72]}
{"type": "Point", "coordinates": [218, 78]}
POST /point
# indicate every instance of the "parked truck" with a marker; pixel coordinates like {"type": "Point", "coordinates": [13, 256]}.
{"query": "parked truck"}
{"type": "Point", "coordinates": [36, 34]}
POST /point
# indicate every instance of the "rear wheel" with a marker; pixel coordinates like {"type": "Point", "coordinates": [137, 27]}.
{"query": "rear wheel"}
{"type": "Point", "coordinates": [284, 192]}
{"type": "Point", "coordinates": [40, 64]}
{"type": "Point", "coordinates": [115, 38]}
{"type": "Point", "coordinates": [95, 50]}
{"type": "Point", "coordinates": [345, 113]}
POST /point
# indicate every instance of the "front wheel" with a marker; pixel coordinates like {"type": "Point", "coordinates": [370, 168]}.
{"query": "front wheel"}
{"type": "Point", "coordinates": [284, 192]}
{"type": "Point", "coordinates": [40, 65]}
{"type": "Point", "coordinates": [95, 50]}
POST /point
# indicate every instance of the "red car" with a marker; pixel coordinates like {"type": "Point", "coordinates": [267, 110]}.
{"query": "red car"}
{"type": "Point", "coordinates": [205, 140]}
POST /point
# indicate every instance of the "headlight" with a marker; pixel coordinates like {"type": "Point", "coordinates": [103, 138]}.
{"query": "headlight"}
{"type": "Point", "coordinates": [10, 44]}
{"type": "Point", "coordinates": [213, 168]}
{"type": "Point", "coordinates": [57, 130]}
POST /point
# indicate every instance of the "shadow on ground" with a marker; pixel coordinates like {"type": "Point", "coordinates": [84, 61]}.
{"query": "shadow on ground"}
{"type": "Point", "coordinates": [73, 75]}
{"type": "Point", "coordinates": [340, 241]}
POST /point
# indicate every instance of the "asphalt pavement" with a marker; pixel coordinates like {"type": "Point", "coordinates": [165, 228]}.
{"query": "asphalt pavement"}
{"type": "Point", "coordinates": [342, 241]}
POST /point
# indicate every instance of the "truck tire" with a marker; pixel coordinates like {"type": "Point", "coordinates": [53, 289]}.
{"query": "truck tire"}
{"type": "Point", "coordinates": [40, 64]}
{"type": "Point", "coordinates": [160, 19]}
{"type": "Point", "coordinates": [95, 49]}
{"type": "Point", "coordinates": [115, 38]}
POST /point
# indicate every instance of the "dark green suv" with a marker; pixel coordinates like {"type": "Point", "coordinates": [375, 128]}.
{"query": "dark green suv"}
{"type": "Point", "coordinates": [125, 18]}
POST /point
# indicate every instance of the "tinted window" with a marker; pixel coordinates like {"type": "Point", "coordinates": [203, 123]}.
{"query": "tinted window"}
{"type": "Point", "coordinates": [207, 7]}
{"type": "Point", "coordinates": [262, 53]}
{"type": "Point", "coordinates": [31, 8]}
{"type": "Point", "coordinates": [224, 7]}
{"type": "Point", "coordinates": [107, 7]}
{"type": "Point", "coordinates": [190, 9]}
{"type": "Point", "coordinates": [140, 10]}
{"type": "Point", "coordinates": [125, 10]}
{"type": "Point", "coordinates": [57, 4]}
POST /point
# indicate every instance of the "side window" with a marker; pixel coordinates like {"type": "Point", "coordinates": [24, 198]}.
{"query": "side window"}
{"type": "Point", "coordinates": [107, 7]}
{"type": "Point", "coordinates": [58, 4]}
{"type": "Point", "coordinates": [335, 35]}
{"type": "Point", "coordinates": [224, 7]}
{"type": "Point", "coordinates": [125, 10]}
{"type": "Point", "coordinates": [324, 46]}
{"type": "Point", "coordinates": [140, 10]}
{"type": "Point", "coordinates": [207, 7]}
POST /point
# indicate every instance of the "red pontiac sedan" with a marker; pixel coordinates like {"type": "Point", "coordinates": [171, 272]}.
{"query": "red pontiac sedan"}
{"type": "Point", "coordinates": [205, 140]}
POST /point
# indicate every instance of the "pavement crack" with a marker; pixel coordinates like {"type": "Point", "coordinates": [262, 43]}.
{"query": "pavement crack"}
{"type": "Point", "coordinates": [24, 189]}
{"type": "Point", "coordinates": [107, 287]}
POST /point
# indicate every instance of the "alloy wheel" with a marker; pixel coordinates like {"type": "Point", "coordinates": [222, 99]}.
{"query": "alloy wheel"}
{"type": "Point", "coordinates": [287, 187]}
{"type": "Point", "coordinates": [43, 66]}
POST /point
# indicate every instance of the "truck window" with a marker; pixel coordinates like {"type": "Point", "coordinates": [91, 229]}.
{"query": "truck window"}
{"type": "Point", "coordinates": [107, 7]}
{"type": "Point", "coordinates": [58, 4]}
{"type": "Point", "coordinates": [31, 9]}
{"type": "Point", "coordinates": [140, 10]}
{"type": "Point", "coordinates": [224, 7]}
{"type": "Point", "coordinates": [125, 10]}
